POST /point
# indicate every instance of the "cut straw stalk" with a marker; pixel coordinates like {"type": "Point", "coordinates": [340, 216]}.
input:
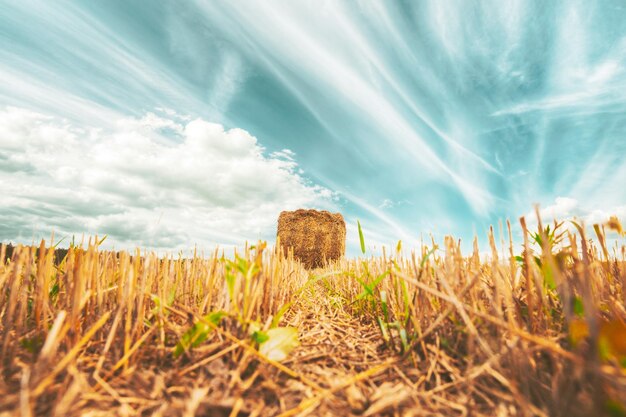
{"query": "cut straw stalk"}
{"type": "Point", "coordinates": [49, 378]}
{"type": "Point", "coordinates": [553, 347]}
{"type": "Point", "coordinates": [416, 292]}
{"type": "Point", "coordinates": [251, 350]}
{"type": "Point", "coordinates": [309, 404]}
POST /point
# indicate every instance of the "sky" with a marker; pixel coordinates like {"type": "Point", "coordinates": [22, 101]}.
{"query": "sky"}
{"type": "Point", "coordinates": [178, 124]}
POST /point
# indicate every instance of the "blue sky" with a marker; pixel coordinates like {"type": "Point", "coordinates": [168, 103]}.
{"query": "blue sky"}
{"type": "Point", "coordinates": [175, 123]}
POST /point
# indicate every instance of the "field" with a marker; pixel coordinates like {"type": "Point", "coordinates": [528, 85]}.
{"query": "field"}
{"type": "Point", "coordinates": [532, 330]}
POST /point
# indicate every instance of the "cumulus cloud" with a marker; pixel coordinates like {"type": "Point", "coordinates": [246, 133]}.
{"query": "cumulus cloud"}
{"type": "Point", "coordinates": [563, 208]}
{"type": "Point", "coordinates": [566, 208]}
{"type": "Point", "coordinates": [160, 181]}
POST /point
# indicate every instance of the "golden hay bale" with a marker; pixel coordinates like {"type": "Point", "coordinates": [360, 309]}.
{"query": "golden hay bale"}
{"type": "Point", "coordinates": [314, 236]}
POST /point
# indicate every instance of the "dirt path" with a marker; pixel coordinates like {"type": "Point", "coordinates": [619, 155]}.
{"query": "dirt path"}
{"type": "Point", "coordinates": [344, 356]}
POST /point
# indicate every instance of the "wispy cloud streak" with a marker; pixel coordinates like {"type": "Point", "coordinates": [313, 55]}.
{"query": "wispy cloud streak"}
{"type": "Point", "coordinates": [465, 111]}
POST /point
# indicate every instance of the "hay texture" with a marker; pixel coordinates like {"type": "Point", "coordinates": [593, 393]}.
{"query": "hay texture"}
{"type": "Point", "coordinates": [313, 236]}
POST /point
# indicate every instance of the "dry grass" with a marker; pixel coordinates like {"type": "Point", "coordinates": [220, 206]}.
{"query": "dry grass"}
{"type": "Point", "coordinates": [435, 333]}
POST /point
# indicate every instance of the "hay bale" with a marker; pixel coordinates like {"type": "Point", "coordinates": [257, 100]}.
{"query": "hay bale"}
{"type": "Point", "coordinates": [313, 236]}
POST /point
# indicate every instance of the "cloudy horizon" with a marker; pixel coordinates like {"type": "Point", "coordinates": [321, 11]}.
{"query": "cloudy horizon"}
{"type": "Point", "coordinates": [195, 123]}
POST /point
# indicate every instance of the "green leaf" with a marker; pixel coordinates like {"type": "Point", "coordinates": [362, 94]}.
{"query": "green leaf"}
{"type": "Point", "coordinates": [158, 304]}
{"type": "Point", "coordinates": [444, 342]}
{"type": "Point", "coordinates": [171, 296]}
{"type": "Point", "coordinates": [537, 238]}
{"type": "Point", "coordinates": [404, 339]}
{"type": "Point", "coordinates": [367, 290]}
{"type": "Point", "coordinates": [383, 329]}
{"type": "Point", "coordinates": [54, 290]}
{"type": "Point", "coordinates": [615, 408]}
{"type": "Point", "coordinates": [58, 243]}
{"type": "Point", "coordinates": [361, 237]}
{"type": "Point", "coordinates": [379, 279]}
{"type": "Point", "coordinates": [230, 282]}
{"type": "Point", "coordinates": [32, 344]}
{"type": "Point", "coordinates": [548, 277]}
{"type": "Point", "coordinates": [242, 265]}
{"type": "Point", "coordinates": [579, 308]}
{"type": "Point", "coordinates": [604, 350]}
{"type": "Point", "coordinates": [280, 342]}
{"type": "Point", "coordinates": [405, 299]}
{"type": "Point", "coordinates": [281, 312]}
{"type": "Point", "coordinates": [215, 317]}
{"type": "Point", "coordinates": [383, 304]}
{"type": "Point", "coordinates": [260, 337]}
{"type": "Point", "coordinates": [198, 333]}
{"type": "Point", "coordinates": [257, 335]}
{"type": "Point", "coordinates": [425, 258]}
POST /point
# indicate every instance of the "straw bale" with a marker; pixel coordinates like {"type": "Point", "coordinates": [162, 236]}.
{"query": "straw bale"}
{"type": "Point", "coordinates": [312, 235]}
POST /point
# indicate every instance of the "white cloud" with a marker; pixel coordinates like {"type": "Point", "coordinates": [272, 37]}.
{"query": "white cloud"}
{"type": "Point", "coordinates": [329, 49]}
{"type": "Point", "coordinates": [152, 122]}
{"type": "Point", "coordinates": [157, 181]}
{"type": "Point", "coordinates": [566, 208]}
{"type": "Point", "coordinates": [563, 207]}
{"type": "Point", "coordinates": [387, 203]}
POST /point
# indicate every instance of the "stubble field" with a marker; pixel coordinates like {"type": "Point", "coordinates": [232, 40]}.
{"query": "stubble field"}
{"type": "Point", "coordinates": [533, 330]}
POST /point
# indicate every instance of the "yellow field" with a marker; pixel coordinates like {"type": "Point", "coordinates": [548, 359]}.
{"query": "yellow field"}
{"type": "Point", "coordinates": [433, 333]}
